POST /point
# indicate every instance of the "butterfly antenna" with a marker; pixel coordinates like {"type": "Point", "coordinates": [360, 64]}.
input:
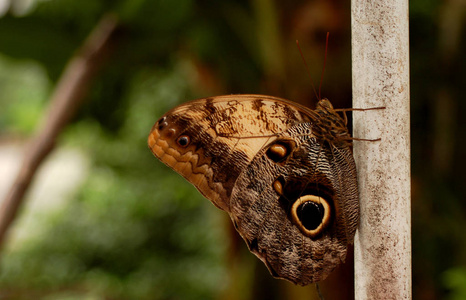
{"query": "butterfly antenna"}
{"type": "Point", "coordinates": [325, 62]}
{"type": "Point", "coordinates": [308, 71]}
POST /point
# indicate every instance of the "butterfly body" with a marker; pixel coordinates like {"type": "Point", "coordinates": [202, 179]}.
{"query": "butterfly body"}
{"type": "Point", "coordinates": [283, 172]}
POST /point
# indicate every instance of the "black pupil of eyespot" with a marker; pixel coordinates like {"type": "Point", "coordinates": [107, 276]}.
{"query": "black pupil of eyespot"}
{"type": "Point", "coordinates": [310, 214]}
{"type": "Point", "coordinates": [183, 141]}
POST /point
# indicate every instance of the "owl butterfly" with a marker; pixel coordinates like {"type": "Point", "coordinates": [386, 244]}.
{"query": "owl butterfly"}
{"type": "Point", "coordinates": [283, 172]}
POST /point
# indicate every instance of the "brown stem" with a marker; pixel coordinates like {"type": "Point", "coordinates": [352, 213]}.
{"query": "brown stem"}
{"type": "Point", "coordinates": [66, 98]}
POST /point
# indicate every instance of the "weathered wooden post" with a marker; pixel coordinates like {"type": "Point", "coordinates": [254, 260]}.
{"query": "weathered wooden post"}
{"type": "Point", "coordinates": [380, 57]}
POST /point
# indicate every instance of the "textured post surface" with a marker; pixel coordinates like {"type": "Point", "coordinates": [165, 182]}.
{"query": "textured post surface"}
{"type": "Point", "coordinates": [380, 57]}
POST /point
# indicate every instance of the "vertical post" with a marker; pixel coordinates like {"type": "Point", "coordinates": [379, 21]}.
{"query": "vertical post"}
{"type": "Point", "coordinates": [380, 57]}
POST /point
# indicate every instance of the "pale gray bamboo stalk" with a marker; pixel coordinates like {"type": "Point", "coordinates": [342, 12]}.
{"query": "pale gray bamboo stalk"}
{"type": "Point", "coordinates": [380, 56]}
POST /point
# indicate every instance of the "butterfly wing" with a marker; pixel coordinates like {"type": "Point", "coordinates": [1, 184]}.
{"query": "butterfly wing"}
{"type": "Point", "coordinates": [298, 211]}
{"type": "Point", "coordinates": [210, 141]}
{"type": "Point", "coordinates": [283, 172]}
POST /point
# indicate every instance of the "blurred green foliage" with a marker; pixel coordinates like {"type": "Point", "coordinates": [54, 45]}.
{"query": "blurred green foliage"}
{"type": "Point", "coordinates": [21, 107]}
{"type": "Point", "coordinates": [455, 280]}
{"type": "Point", "coordinates": [136, 230]}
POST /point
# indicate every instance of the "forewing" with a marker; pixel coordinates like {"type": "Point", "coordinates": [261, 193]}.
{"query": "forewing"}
{"type": "Point", "coordinates": [211, 141]}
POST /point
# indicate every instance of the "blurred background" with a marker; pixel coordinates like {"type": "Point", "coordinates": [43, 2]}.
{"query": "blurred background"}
{"type": "Point", "coordinates": [103, 219]}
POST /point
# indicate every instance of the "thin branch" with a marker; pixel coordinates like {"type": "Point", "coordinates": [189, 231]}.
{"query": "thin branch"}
{"type": "Point", "coordinates": [66, 98]}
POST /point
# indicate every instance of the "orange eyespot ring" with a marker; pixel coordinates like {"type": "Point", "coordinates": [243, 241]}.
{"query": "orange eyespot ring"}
{"type": "Point", "coordinates": [311, 214]}
{"type": "Point", "coordinates": [183, 141]}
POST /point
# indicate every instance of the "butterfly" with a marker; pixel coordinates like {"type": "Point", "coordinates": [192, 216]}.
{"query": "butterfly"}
{"type": "Point", "coordinates": [284, 173]}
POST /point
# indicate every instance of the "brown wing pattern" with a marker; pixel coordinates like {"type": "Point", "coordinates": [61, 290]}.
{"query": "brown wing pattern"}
{"type": "Point", "coordinates": [224, 135]}
{"type": "Point", "coordinates": [262, 216]}
{"type": "Point", "coordinates": [284, 173]}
